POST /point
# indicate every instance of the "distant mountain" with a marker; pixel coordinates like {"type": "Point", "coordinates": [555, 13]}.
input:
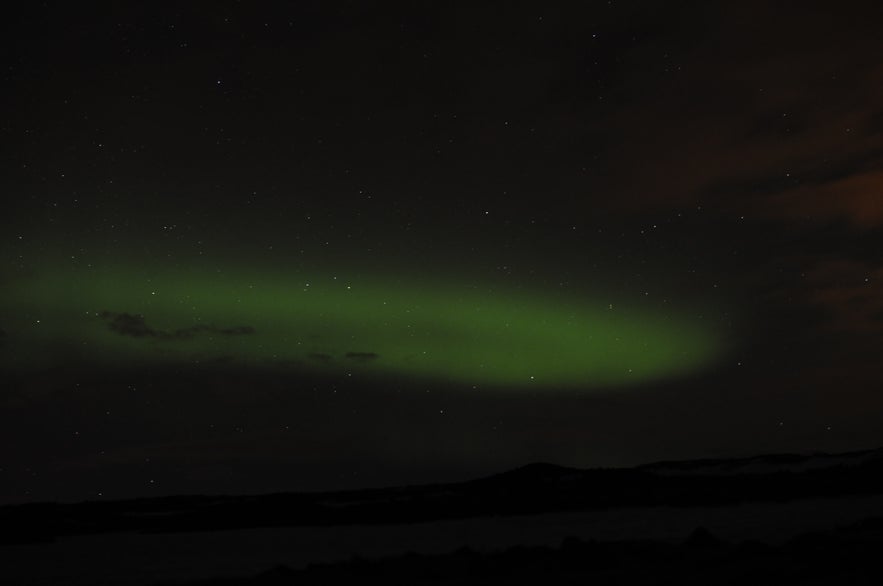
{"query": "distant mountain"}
{"type": "Point", "coordinates": [532, 489]}
{"type": "Point", "coordinates": [764, 464]}
{"type": "Point", "coordinates": [537, 472]}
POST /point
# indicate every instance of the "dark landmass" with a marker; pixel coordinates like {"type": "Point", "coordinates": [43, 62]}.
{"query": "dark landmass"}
{"type": "Point", "coordinates": [533, 489]}
{"type": "Point", "coordinates": [848, 555]}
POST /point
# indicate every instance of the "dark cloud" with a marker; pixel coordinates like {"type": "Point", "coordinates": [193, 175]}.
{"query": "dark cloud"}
{"type": "Point", "coordinates": [354, 356]}
{"type": "Point", "coordinates": [127, 324]}
{"type": "Point", "coordinates": [857, 198]}
{"type": "Point", "coordinates": [234, 331]}
{"type": "Point", "coordinates": [769, 116]}
{"type": "Point", "coordinates": [361, 356]}
{"type": "Point", "coordinates": [849, 291]}
{"type": "Point", "coordinates": [747, 106]}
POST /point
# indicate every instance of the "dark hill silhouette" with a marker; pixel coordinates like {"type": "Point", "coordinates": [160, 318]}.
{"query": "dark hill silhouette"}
{"type": "Point", "coordinates": [532, 489]}
{"type": "Point", "coordinates": [847, 555]}
{"type": "Point", "coordinates": [762, 463]}
{"type": "Point", "coordinates": [536, 472]}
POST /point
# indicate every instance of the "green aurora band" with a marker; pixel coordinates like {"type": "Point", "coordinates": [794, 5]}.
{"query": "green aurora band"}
{"type": "Point", "coordinates": [499, 337]}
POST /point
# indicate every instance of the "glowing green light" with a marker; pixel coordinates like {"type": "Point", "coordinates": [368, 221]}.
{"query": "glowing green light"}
{"type": "Point", "coordinates": [461, 334]}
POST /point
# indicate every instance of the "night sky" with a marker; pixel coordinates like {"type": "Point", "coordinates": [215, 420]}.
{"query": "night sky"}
{"type": "Point", "coordinates": [260, 247]}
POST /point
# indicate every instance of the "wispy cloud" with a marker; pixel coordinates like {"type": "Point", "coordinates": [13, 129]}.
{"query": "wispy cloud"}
{"type": "Point", "coordinates": [135, 326]}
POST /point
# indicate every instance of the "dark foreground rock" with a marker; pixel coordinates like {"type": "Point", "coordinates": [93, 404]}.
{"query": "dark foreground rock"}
{"type": "Point", "coordinates": [843, 556]}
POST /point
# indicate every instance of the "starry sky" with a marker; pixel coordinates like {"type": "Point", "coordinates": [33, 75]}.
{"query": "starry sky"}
{"type": "Point", "coordinates": [271, 246]}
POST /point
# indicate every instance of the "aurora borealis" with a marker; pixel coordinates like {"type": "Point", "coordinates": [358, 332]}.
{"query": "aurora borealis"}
{"type": "Point", "coordinates": [258, 247]}
{"type": "Point", "coordinates": [498, 338]}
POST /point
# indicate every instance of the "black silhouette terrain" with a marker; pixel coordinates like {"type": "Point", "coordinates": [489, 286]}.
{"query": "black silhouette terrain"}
{"type": "Point", "coordinates": [532, 489]}
{"type": "Point", "coordinates": [841, 553]}
{"type": "Point", "coordinates": [848, 555]}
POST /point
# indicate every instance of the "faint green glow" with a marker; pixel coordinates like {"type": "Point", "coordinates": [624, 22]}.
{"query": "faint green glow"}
{"type": "Point", "coordinates": [321, 322]}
